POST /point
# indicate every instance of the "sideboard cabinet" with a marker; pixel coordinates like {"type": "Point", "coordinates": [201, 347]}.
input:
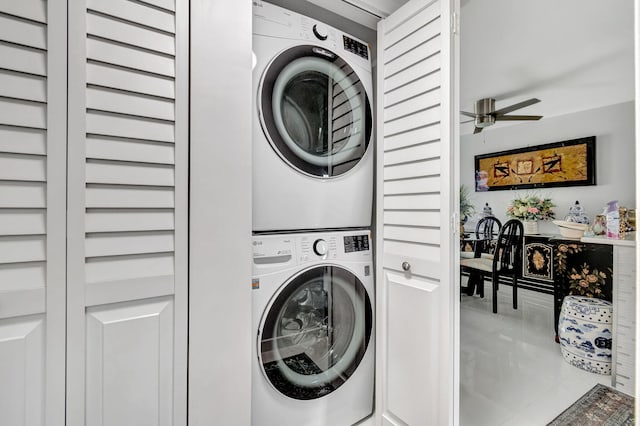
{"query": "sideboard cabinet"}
{"type": "Point", "coordinates": [549, 262]}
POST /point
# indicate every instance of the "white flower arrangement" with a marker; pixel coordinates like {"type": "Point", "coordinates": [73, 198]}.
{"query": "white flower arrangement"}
{"type": "Point", "coordinates": [531, 207]}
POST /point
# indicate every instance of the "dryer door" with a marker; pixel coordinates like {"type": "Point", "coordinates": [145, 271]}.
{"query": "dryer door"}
{"type": "Point", "coordinates": [315, 111]}
{"type": "Point", "coordinates": [315, 332]}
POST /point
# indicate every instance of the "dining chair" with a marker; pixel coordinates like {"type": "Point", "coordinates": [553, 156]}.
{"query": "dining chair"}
{"type": "Point", "coordinates": [505, 261]}
{"type": "Point", "coordinates": [486, 229]}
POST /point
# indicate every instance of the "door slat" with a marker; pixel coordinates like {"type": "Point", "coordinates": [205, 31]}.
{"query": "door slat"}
{"type": "Point", "coordinates": [124, 79]}
{"type": "Point", "coordinates": [22, 59]}
{"type": "Point", "coordinates": [23, 32]}
{"type": "Point", "coordinates": [135, 12]}
{"type": "Point", "coordinates": [130, 34]}
{"type": "Point", "coordinates": [100, 147]}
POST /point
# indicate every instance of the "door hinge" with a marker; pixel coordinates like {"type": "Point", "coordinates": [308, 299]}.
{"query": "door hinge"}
{"type": "Point", "coordinates": [455, 23]}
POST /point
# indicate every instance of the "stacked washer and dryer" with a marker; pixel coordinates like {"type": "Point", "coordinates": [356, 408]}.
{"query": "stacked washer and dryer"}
{"type": "Point", "coordinates": [313, 287]}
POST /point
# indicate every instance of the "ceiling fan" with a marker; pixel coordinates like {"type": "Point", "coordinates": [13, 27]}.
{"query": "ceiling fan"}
{"type": "Point", "coordinates": [486, 114]}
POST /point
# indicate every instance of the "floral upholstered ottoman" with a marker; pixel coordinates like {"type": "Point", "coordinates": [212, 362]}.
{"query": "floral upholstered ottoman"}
{"type": "Point", "coordinates": [584, 329]}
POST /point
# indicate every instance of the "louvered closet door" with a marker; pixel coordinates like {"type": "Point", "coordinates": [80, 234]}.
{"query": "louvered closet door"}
{"type": "Point", "coordinates": [415, 285]}
{"type": "Point", "coordinates": [32, 211]}
{"type": "Point", "coordinates": [127, 214]}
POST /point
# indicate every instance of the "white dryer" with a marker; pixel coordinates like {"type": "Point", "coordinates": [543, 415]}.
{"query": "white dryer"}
{"type": "Point", "coordinates": [312, 127]}
{"type": "Point", "coordinates": [313, 320]}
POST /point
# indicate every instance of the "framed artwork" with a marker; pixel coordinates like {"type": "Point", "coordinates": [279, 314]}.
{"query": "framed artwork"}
{"type": "Point", "coordinates": [567, 163]}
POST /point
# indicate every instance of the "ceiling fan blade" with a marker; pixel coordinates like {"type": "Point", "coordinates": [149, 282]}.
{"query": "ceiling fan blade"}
{"type": "Point", "coordinates": [477, 130]}
{"type": "Point", "coordinates": [517, 117]}
{"type": "Point", "coordinates": [467, 121]}
{"type": "Point", "coordinates": [468, 114]}
{"type": "Point", "coordinates": [514, 107]}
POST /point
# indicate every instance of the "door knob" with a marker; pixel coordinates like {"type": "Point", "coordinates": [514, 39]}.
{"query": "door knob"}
{"type": "Point", "coordinates": [406, 266]}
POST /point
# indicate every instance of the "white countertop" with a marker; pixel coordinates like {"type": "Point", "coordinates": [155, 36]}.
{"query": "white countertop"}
{"type": "Point", "coordinates": [628, 241]}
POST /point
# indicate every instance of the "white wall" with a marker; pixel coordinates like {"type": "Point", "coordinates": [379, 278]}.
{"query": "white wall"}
{"type": "Point", "coordinates": [220, 214]}
{"type": "Point", "coordinates": [613, 127]}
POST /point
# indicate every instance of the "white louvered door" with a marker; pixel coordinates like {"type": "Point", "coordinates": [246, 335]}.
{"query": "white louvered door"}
{"type": "Point", "coordinates": [127, 212]}
{"type": "Point", "coordinates": [32, 211]}
{"type": "Point", "coordinates": [416, 135]}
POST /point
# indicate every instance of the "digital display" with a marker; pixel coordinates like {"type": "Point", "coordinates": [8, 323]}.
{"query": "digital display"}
{"type": "Point", "coordinates": [356, 243]}
{"type": "Point", "coordinates": [356, 47]}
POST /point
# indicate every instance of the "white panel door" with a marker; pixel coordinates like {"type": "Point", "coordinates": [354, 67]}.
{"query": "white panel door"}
{"type": "Point", "coordinates": [416, 190]}
{"type": "Point", "coordinates": [127, 212]}
{"type": "Point", "coordinates": [32, 211]}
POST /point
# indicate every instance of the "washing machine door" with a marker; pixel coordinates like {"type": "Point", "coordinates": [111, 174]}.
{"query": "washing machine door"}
{"type": "Point", "coordinates": [315, 332]}
{"type": "Point", "coordinates": [315, 111]}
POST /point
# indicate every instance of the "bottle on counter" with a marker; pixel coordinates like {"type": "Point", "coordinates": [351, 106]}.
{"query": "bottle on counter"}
{"type": "Point", "coordinates": [613, 219]}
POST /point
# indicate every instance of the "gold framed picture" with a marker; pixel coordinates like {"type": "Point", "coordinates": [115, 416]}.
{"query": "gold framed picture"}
{"type": "Point", "coordinates": [567, 163]}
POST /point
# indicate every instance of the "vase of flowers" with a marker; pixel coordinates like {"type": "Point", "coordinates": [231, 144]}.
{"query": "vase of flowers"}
{"type": "Point", "coordinates": [530, 209]}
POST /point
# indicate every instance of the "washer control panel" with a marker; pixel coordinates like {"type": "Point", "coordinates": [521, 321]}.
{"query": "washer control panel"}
{"type": "Point", "coordinates": [276, 250]}
{"type": "Point", "coordinates": [354, 245]}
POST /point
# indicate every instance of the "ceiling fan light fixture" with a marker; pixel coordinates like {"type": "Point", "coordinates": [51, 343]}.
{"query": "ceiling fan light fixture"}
{"type": "Point", "coordinates": [486, 115]}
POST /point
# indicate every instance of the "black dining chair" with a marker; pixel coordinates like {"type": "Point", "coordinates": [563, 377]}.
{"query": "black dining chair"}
{"type": "Point", "coordinates": [505, 261]}
{"type": "Point", "coordinates": [486, 229]}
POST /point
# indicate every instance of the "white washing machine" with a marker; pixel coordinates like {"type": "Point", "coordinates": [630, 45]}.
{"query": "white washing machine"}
{"type": "Point", "coordinates": [313, 320]}
{"type": "Point", "coordinates": [312, 127]}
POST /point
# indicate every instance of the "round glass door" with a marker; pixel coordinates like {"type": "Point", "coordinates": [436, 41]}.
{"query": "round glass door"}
{"type": "Point", "coordinates": [315, 332]}
{"type": "Point", "coordinates": [315, 111]}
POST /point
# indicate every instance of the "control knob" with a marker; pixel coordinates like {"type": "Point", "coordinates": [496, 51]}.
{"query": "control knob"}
{"type": "Point", "coordinates": [320, 31]}
{"type": "Point", "coordinates": [320, 247]}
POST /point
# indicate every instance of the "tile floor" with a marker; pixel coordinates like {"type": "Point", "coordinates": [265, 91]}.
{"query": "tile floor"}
{"type": "Point", "coordinates": [512, 372]}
